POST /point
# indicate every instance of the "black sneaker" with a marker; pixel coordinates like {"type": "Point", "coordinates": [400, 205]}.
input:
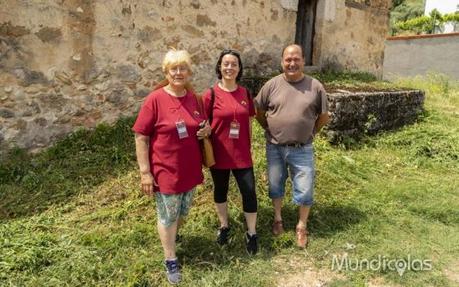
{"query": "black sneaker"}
{"type": "Point", "coordinates": [173, 271]}
{"type": "Point", "coordinates": [223, 235]}
{"type": "Point", "coordinates": [251, 243]}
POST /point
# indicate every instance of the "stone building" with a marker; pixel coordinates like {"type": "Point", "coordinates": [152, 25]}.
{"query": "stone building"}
{"type": "Point", "coordinates": [76, 63]}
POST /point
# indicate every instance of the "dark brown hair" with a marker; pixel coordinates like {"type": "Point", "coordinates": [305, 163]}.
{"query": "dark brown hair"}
{"type": "Point", "coordinates": [219, 63]}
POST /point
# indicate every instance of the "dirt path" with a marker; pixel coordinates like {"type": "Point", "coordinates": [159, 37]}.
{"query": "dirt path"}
{"type": "Point", "coordinates": [299, 271]}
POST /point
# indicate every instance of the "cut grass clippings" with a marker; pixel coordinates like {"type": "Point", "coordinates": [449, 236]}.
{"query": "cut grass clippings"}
{"type": "Point", "coordinates": [73, 215]}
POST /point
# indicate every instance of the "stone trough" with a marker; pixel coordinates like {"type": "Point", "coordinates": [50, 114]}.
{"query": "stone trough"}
{"type": "Point", "coordinates": [359, 113]}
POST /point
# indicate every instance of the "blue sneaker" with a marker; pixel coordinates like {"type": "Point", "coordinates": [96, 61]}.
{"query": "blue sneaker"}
{"type": "Point", "coordinates": [173, 271]}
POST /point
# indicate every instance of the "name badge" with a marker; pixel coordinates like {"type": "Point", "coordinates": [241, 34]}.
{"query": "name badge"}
{"type": "Point", "coordinates": [181, 129]}
{"type": "Point", "coordinates": [234, 130]}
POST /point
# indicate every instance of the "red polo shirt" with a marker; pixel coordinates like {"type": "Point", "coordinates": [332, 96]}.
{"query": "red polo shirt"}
{"type": "Point", "coordinates": [175, 162]}
{"type": "Point", "coordinates": [228, 107]}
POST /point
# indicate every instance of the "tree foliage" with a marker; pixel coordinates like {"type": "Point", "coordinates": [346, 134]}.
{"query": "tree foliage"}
{"type": "Point", "coordinates": [425, 24]}
{"type": "Point", "coordinates": [403, 10]}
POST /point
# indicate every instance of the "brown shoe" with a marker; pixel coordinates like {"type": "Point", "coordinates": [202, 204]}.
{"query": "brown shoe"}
{"type": "Point", "coordinates": [278, 228]}
{"type": "Point", "coordinates": [301, 237]}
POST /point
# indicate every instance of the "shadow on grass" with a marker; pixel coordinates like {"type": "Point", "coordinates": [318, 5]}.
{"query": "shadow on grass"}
{"type": "Point", "coordinates": [325, 221]}
{"type": "Point", "coordinates": [30, 184]}
{"type": "Point", "coordinates": [201, 253]}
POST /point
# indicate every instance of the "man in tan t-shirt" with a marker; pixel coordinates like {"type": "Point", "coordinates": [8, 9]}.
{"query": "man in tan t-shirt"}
{"type": "Point", "coordinates": [292, 108]}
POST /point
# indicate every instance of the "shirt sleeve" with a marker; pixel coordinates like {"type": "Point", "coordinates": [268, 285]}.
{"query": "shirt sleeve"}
{"type": "Point", "coordinates": [206, 103]}
{"type": "Point", "coordinates": [261, 100]}
{"type": "Point", "coordinates": [251, 106]}
{"type": "Point", "coordinates": [147, 118]}
{"type": "Point", "coordinates": [323, 106]}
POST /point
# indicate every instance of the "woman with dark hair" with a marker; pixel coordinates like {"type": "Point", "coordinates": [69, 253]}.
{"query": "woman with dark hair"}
{"type": "Point", "coordinates": [230, 108]}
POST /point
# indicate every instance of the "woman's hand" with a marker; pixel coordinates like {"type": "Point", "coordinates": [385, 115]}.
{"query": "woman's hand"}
{"type": "Point", "coordinates": [147, 183]}
{"type": "Point", "coordinates": [204, 131]}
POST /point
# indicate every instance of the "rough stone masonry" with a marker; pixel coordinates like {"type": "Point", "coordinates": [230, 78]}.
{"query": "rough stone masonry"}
{"type": "Point", "coordinates": [77, 63]}
{"type": "Point", "coordinates": [73, 64]}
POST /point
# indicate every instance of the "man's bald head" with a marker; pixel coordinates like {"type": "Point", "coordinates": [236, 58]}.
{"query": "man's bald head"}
{"type": "Point", "coordinates": [293, 47]}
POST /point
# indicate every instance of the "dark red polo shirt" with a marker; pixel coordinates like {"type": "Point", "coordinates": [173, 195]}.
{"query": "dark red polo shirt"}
{"type": "Point", "coordinates": [175, 163]}
{"type": "Point", "coordinates": [228, 107]}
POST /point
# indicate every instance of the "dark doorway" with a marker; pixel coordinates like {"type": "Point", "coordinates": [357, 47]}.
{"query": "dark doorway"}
{"type": "Point", "coordinates": [304, 35]}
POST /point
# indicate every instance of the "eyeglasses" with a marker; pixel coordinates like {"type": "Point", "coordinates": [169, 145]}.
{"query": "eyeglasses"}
{"type": "Point", "coordinates": [175, 69]}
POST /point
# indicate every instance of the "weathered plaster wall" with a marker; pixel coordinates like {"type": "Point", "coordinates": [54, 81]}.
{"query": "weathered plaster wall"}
{"type": "Point", "coordinates": [408, 56]}
{"type": "Point", "coordinates": [76, 63]}
{"type": "Point", "coordinates": [349, 34]}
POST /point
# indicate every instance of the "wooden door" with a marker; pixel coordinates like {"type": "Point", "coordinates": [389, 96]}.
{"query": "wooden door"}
{"type": "Point", "coordinates": [304, 35]}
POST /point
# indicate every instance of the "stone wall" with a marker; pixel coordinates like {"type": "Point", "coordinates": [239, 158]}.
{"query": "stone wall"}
{"type": "Point", "coordinates": [356, 114]}
{"type": "Point", "coordinates": [350, 34]}
{"type": "Point", "coordinates": [408, 56]}
{"type": "Point", "coordinates": [77, 63]}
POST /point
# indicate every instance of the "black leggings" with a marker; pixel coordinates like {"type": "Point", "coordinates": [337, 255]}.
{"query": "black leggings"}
{"type": "Point", "coordinates": [246, 182]}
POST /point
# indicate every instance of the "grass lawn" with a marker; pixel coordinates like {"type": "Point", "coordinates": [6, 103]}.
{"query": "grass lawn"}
{"type": "Point", "coordinates": [73, 215]}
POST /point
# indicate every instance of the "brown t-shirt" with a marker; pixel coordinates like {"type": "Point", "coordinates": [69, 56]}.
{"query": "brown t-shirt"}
{"type": "Point", "coordinates": [291, 108]}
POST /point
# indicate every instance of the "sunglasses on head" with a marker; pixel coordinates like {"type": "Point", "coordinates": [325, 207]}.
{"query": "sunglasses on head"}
{"type": "Point", "coordinates": [229, 51]}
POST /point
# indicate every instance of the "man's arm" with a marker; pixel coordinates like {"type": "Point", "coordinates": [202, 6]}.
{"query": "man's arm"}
{"type": "Point", "coordinates": [321, 121]}
{"type": "Point", "coordinates": [261, 118]}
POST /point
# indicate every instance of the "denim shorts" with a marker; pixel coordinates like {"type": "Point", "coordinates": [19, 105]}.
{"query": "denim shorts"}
{"type": "Point", "coordinates": [299, 162]}
{"type": "Point", "coordinates": [170, 206]}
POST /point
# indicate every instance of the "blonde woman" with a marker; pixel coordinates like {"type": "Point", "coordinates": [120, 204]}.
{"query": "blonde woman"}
{"type": "Point", "coordinates": [168, 154]}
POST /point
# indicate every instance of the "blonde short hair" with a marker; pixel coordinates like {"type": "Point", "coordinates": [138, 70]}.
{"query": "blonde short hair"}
{"type": "Point", "coordinates": [174, 57]}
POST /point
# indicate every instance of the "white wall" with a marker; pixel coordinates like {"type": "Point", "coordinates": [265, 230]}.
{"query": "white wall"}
{"type": "Point", "coordinates": [418, 55]}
